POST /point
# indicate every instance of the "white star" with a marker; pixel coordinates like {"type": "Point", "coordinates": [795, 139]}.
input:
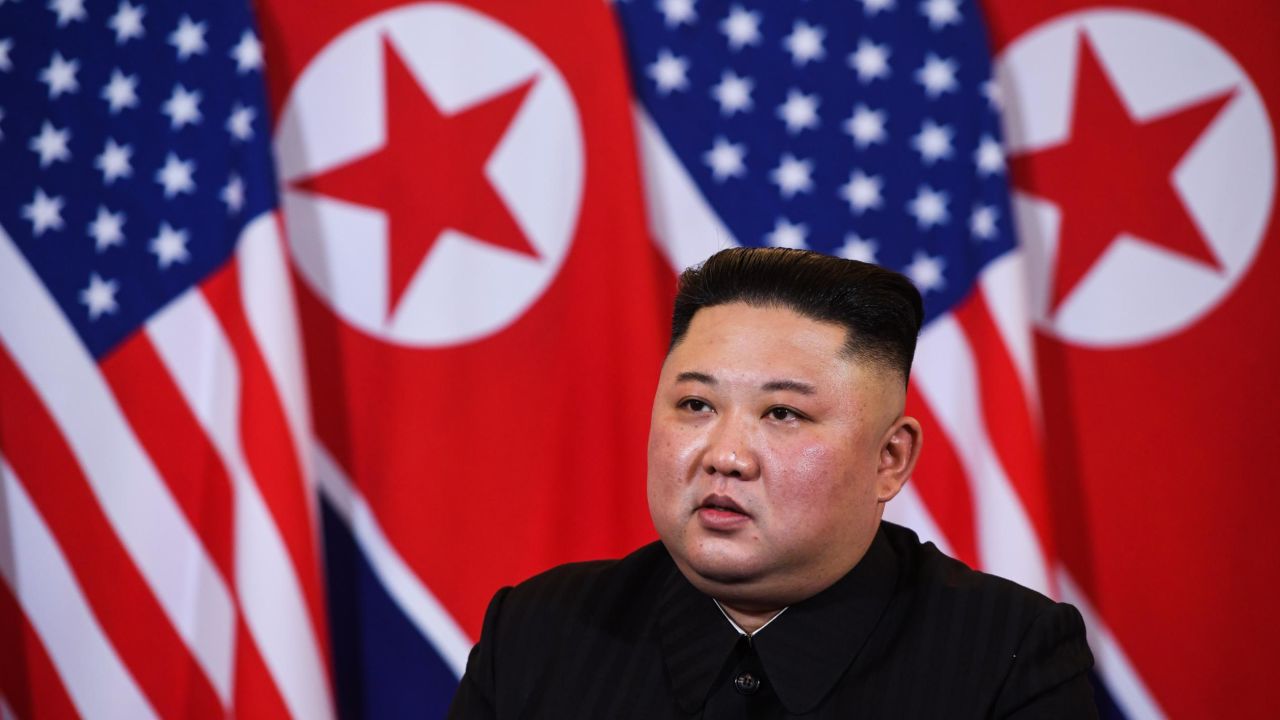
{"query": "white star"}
{"type": "Point", "coordinates": [866, 126]}
{"type": "Point", "coordinates": [725, 159]}
{"type": "Point", "coordinates": [799, 112]}
{"type": "Point", "coordinates": [107, 229]}
{"type": "Point", "coordinates": [670, 72]}
{"type": "Point", "coordinates": [677, 12]}
{"type": "Point", "coordinates": [44, 212]}
{"type": "Point", "coordinates": [805, 43]}
{"type": "Point", "coordinates": [872, 7]}
{"type": "Point", "coordinates": [856, 248]}
{"type": "Point", "coordinates": [742, 27]}
{"type": "Point", "coordinates": [247, 53]}
{"type": "Point", "coordinates": [787, 235]}
{"type": "Point", "coordinates": [870, 61]}
{"type": "Point", "coordinates": [182, 107]}
{"type": "Point", "coordinates": [170, 246]}
{"type": "Point", "coordinates": [941, 13]}
{"type": "Point", "coordinates": [929, 207]}
{"type": "Point", "coordinates": [114, 161]}
{"type": "Point", "coordinates": [6, 46]}
{"type": "Point", "coordinates": [937, 75]}
{"type": "Point", "coordinates": [233, 194]}
{"type": "Point", "coordinates": [51, 144]}
{"type": "Point", "coordinates": [240, 122]}
{"type": "Point", "coordinates": [60, 75]}
{"type": "Point", "coordinates": [188, 38]}
{"type": "Point", "coordinates": [994, 95]}
{"type": "Point", "coordinates": [100, 296]}
{"type": "Point", "coordinates": [792, 175]}
{"type": "Point", "coordinates": [933, 142]}
{"type": "Point", "coordinates": [68, 11]}
{"type": "Point", "coordinates": [175, 176]}
{"type": "Point", "coordinates": [733, 93]}
{"type": "Point", "coordinates": [127, 22]}
{"type": "Point", "coordinates": [926, 272]}
{"type": "Point", "coordinates": [989, 157]}
{"type": "Point", "coordinates": [863, 192]}
{"type": "Point", "coordinates": [982, 223]}
{"type": "Point", "coordinates": [121, 92]}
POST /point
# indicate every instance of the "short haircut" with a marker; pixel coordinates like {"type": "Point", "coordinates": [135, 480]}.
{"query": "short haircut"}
{"type": "Point", "coordinates": [880, 309]}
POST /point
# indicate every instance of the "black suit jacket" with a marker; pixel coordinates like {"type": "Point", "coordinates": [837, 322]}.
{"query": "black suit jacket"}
{"type": "Point", "coordinates": [908, 633]}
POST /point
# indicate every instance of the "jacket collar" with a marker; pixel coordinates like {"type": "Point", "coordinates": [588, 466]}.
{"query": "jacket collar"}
{"type": "Point", "coordinates": [804, 652]}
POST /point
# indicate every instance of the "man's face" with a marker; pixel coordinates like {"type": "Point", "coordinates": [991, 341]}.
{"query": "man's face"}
{"type": "Point", "coordinates": [767, 453]}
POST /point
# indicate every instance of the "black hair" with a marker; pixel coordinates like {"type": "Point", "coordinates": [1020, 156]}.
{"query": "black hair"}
{"type": "Point", "coordinates": [880, 309]}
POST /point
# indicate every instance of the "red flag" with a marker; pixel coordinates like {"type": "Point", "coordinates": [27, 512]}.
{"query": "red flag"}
{"type": "Point", "coordinates": [1143, 151]}
{"type": "Point", "coordinates": [481, 368]}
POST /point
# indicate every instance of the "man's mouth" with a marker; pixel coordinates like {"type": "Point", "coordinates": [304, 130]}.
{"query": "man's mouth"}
{"type": "Point", "coordinates": [722, 503]}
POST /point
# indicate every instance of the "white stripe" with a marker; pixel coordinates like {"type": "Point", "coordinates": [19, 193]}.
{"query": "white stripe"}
{"type": "Point", "coordinates": [419, 605]}
{"type": "Point", "coordinates": [190, 342]}
{"type": "Point", "coordinates": [908, 510]}
{"type": "Point", "coordinates": [266, 292]}
{"type": "Point", "coordinates": [684, 226]}
{"type": "Point", "coordinates": [35, 569]}
{"type": "Point", "coordinates": [127, 485]}
{"type": "Point", "coordinates": [1003, 284]}
{"type": "Point", "coordinates": [1112, 664]}
{"type": "Point", "coordinates": [946, 375]}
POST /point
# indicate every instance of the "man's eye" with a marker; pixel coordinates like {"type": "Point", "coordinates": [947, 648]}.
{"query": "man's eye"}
{"type": "Point", "coordinates": [695, 405]}
{"type": "Point", "coordinates": [783, 414]}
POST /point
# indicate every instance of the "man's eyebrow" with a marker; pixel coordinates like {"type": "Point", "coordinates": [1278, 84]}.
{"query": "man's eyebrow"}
{"type": "Point", "coordinates": [695, 376]}
{"type": "Point", "coordinates": [790, 386]}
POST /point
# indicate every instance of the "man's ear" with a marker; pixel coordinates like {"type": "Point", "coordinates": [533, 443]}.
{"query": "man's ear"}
{"type": "Point", "coordinates": [899, 450]}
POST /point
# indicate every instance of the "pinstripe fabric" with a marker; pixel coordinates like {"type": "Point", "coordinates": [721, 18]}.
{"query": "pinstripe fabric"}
{"type": "Point", "coordinates": [908, 633]}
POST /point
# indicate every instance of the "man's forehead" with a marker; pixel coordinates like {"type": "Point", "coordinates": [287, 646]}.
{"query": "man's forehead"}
{"type": "Point", "coordinates": [777, 384]}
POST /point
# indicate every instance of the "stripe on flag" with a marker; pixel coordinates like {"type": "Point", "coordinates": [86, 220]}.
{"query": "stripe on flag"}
{"type": "Point", "coordinates": [38, 575]}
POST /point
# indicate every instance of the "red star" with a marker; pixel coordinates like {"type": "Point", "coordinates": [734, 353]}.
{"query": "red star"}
{"type": "Point", "coordinates": [1114, 174]}
{"type": "Point", "coordinates": [429, 174]}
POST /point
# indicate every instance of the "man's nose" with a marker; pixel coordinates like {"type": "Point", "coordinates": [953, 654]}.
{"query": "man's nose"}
{"type": "Point", "coordinates": [730, 452]}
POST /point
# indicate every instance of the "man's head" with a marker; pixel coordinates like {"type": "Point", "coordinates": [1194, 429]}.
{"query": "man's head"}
{"type": "Point", "coordinates": [778, 432]}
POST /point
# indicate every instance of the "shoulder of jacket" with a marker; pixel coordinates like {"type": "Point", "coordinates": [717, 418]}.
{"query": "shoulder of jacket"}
{"type": "Point", "coordinates": [931, 570]}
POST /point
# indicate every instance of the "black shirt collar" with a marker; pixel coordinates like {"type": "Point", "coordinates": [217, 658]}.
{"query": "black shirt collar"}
{"type": "Point", "coordinates": [804, 652]}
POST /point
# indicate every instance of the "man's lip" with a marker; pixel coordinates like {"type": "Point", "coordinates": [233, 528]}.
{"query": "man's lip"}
{"type": "Point", "coordinates": [722, 502]}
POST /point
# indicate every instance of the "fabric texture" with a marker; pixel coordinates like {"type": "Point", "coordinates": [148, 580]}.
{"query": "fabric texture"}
{"type": "Point", "coordinates": [908, 633]}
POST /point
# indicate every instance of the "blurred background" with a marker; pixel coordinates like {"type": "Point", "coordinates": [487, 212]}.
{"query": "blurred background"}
{"type": "Point", "coordinates": [319, 323]}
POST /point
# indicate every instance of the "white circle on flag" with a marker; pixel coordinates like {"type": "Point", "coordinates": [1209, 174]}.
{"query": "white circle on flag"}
{"type": "Point", "coordinates": [1137, 291]}
{"type": "Point", "coordinates": [464, 289]}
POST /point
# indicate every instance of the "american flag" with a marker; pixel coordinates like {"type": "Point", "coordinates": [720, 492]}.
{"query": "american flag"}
{"type": "Point", "coordinates": [161, 556]}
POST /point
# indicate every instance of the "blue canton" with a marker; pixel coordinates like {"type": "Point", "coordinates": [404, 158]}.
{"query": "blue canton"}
{"type": "Point", "coordinates": [863, 129]}
{"type": "Point", "coordinates": [134, 147]}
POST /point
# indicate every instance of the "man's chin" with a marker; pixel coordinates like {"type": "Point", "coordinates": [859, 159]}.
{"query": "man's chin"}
{"type": "Point", "coordinates": [720, 569]}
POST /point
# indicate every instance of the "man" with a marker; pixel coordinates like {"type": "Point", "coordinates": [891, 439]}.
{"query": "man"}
{"type": "Point", "coordinates": [777, 437]}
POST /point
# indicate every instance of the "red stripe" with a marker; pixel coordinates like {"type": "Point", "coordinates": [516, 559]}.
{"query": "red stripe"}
{"type": "Point", "coordinates": [269, 447]}
{"type": "Point", "coordinates": [28, 680]}
{"type": "Point", "coordinates": [176, 443]}
{"type": "Point", "coordinates": [1007, 414]}
{"type": "Point", "coordinates": [256, 694]}
{"type": "Point", "coordinates": [940, 480]}
{"type": "Point", "coordinates": [118, 595]}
